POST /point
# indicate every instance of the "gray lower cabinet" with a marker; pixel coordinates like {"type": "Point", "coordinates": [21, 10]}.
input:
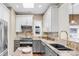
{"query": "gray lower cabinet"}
{"type": "Point", "coordinates": [49, 51]}
{"type": "Point", "coordinates": [38, 47]}
{"type": "Point", "coordinates": [42, 47]}
{"type": "Point", "coordinates": [16, 44]}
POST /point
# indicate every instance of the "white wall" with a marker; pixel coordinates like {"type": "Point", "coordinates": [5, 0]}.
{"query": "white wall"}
{"type": "Point", "coordinates": [12, 31]}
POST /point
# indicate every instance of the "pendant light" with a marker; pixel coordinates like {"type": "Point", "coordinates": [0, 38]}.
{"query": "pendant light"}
{"type": "Point", "coordinates": [72, 21]}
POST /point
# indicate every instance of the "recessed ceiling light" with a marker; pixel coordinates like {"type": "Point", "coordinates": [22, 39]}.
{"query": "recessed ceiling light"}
{"type": "Point", "coordinates": [28, 5]}
{"type": "Point", "coordinates": [40, 6]}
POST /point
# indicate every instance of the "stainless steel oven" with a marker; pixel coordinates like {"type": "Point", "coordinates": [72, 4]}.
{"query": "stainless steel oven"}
{"type": "Point", "coordinates": [37, 29]}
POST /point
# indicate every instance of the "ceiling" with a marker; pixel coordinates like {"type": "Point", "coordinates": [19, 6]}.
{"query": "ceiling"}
{"type": "Point", "coordinates": [18, 7]}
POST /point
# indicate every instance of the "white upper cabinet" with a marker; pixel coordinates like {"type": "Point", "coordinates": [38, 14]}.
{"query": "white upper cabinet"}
{"type": "Point", "coordinates": [18, 24]}
{"type": "Point", "coordinates": [47, 21]}
{"type": "Point", "coordinates": [50, 21]}
{"type": "Point", "coordinates": [64, 17]}
{"type": "Point", "coordinates": [54, 19]}
{"type": "Point", "coordinates": [26, 20]}
{"type": "Point", "coordinates": [70, 7]}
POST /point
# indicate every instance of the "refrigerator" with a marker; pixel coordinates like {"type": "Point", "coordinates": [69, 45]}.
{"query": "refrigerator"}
{"type": "Point", "coordinates": [3, 38]}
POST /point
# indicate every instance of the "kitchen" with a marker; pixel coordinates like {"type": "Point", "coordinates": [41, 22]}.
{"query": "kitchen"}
{"type": "Point", "coordinates": [42, 29]}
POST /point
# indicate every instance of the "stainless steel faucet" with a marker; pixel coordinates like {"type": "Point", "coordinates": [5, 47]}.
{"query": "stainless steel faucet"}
{"type": "Point", "coordinates": [67, 36]}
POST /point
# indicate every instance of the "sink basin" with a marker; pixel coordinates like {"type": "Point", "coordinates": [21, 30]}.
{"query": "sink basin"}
{"type": "Point", "coordinates": [57, 45]}
{"type": "Point", "coordinates": [61, 47]}
{"type": "Point", "coordinates": [65, 49]}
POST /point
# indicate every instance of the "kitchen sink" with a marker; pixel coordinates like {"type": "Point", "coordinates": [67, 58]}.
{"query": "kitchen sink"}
{"type": "Point", "coordinates": [61, 47]}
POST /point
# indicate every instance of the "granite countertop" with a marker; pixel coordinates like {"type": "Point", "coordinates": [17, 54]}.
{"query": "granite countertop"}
{"type": "Point", "coordinates": [61, 53]}
{"type": "Point", "coordinates": [48, 42]}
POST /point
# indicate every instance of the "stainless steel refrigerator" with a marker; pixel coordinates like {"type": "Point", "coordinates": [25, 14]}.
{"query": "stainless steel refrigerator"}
{"type": "Point", "coordinates": [3, 38]}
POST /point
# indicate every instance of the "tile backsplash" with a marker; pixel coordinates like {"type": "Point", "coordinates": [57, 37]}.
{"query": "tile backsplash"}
{"type": "Point", "coordinates": [53, 35]}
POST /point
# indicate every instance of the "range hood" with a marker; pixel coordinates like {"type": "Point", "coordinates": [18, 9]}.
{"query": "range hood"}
{"type": "Point", "coordinates": [26, 28]}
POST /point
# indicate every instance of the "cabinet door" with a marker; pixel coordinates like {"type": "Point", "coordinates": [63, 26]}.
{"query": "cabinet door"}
{"type": "Point", "coordinates": [36, 46]}
{"type": "Point", "coordinates": [49, 52]}
{"type": "Point", "coordinates": [54, 20]}
{"type": "Point", "coordinates": [30, 20]}
{"type": "Point", "coordinates": [18, 24]}
{"type": "Point", "coordinates": [42, 47]}
{"type": "Point", "coordinates": [64, 14]}
{"type": "Point", "coordinates": [47, 21]}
